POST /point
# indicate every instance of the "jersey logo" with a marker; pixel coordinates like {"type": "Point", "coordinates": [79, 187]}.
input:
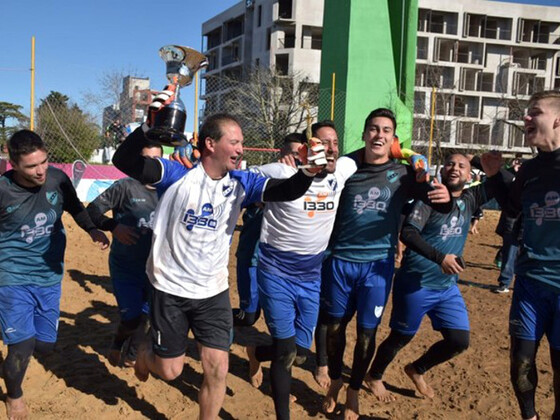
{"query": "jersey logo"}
{"type": "Point", "coordinates": [392, 176]}
{"type": "Point", "coordinates": [377, 200]}
{"type": "Point", "coordinates": [319, 205]}
{"type": "Point", "coordinates": [44, 225]}
{"type": "Point", "coordinates": [453, 229]}
{"type": "Point", "coordinates": [549, 211]}
{"type": "Point", "coordinates": [138, 200]}
{"type": "Point", "coordinates": [201, 221]}
{"type": "Point", "coordinates": [333, 184]}
{"type": "Point", "coordinates": [146, 225]}
{"type": "Point", "coordinates": [378, 311]}
{"type": "Point", "coordinates": [461, 205]}
{"type": "Point", "coordinates": [52, 197]}
{"type": "Point", "coordinates": [227, 190]}
{"type": "Point", "coordinates": [11, 209]}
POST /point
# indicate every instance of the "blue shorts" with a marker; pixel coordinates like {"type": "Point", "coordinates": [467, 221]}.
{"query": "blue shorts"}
{"type": "Point", "coordinates": [361, 287]}
{"type": "Point", "coordinates": [446, 308]}
{"type": "Point", "coordinates": [535, 311]}
{"type": "Point", "coordinates": [130, 286]}
{"type": "Point", "coordinates": [29, 311]}
{"type": "Point", "coordinates": [290, 308]}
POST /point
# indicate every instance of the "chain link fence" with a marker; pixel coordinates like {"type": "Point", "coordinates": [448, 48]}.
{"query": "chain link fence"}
{"type": "Point", "coordinates": [269, 106]}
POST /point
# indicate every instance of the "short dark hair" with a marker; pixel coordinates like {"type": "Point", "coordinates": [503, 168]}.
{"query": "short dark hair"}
{"type": "Point", "coordinates": [294, 138]}
{"type": "Point", "coordinates": [381, 112]}
{"type": "Point", "coordinates": [24, 142]}
{"type": "Point", "coordinates": [321, 124]}
{"type": "Point", "coordinates": [212, 127]}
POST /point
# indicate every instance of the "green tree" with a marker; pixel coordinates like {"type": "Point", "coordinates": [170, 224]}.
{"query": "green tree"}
{"type": "Point", "coordinates": [68, 132]}
{"type": "Point", "coordinates": [10, 111]}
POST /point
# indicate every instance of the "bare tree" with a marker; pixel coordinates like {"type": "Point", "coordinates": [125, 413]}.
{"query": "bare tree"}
{"type": "Point", "coordinates": [268, 103]}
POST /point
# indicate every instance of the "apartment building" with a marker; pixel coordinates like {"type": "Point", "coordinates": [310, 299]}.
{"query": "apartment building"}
{"type": "Point", "coordinates": [284, 34]}
{"type": "Point", "coordinates": [478, 62]}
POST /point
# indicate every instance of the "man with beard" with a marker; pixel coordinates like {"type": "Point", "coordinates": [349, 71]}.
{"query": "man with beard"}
{"type": "Point", "coordinates": [294, 236]}
{"type": "Point", "coordinates": [426, 282]}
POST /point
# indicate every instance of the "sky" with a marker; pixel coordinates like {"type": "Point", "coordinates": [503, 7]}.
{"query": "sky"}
{"type": "Point", "coordinates": [79, 41]}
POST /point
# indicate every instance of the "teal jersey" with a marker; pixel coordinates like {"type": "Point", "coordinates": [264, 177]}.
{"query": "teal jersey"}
{"type": "Point", "coordinates": [536, 193]}
{"type": "Point", "coordinates": [368, 217]}
{"type": "Point", "coordinates": [32, 237]}
{"type": "Point", "coordinates": [445, 232]}
{"type": "Point", "coordinates": [133, 205]}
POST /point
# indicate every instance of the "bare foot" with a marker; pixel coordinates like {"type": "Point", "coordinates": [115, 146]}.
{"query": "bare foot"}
{"type": "Point", "coordinates": [378, 389]}
{"type": "Point", "coordinates": [114, 357]}
{"type": "Point", "coordinates": [141, 369]}
{"type": "Point", "coordinates": [321, 376]}
{"type": "Point", "coordinates": [255, 371]}
{"type": "Point", "coordinates": [329, 402]}
{"type": "Point", "coordinates": [419, 382]}
{"type": "Point", "coordinates": [16, 409]}
{"type": "Point", "coordinates": [352, 407]}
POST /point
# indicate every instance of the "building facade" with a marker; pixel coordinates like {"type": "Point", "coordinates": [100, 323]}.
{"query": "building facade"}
{"type": "Point", "coordinates": [478, 62]}
{"type": "Point", "coordinates": [281, 34]}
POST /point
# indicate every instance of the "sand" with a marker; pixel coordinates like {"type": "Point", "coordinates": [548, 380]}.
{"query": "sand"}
{"type": "Point", "coordinates": [77, 382]}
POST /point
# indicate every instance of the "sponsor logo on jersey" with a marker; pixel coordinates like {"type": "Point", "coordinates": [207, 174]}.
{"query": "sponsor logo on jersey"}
{"type": "Point", "coordinates": [453, 229]}
{"type": "Point", "coordinates": [146, 225]}
{"type": "Point", "coordinates": [392, 176]}
{"type": "Point", "coordinates": [11, 209]}
{"type": "Point", "coordinates": [376, 200]}
{"type": "Point", "coordinates": [138, 200]}
{"type": "Point", "coordinates": [227, 190]}
{"type": "Point", "coordinates": [550, 210]}
{"type": "Point", "coordinates": [204, 220]}
{"type": "Point", "coordinates": [52, 197]}
{"type": "Point", "coordinates": [320, 204]}
{"type": "Point", "coordinates": [44, 224]}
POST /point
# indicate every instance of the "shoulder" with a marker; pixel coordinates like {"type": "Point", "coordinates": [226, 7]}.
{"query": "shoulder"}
{"type": "Point", "coordinates": [276, 170]}
{"type": "Point", "coordinates": [346, 166]}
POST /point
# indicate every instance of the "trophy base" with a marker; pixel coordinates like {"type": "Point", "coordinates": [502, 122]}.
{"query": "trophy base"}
{"type": "Point", "coordinates": [169, 127]}
{"type": "Point", "coordinates": [166, 136]}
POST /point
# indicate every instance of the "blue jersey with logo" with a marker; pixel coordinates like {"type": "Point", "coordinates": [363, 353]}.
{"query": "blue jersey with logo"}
{"type": "Point", "coordinates": [133, 205]}
{"type": "Point", "coordinates": [445, 232]}
{"type": "Point", "coordinates": [32, 238]}
{"type": "Point", "coordinates": [368, 218]}
{"type": "Point", "coordinates": [536, 193]}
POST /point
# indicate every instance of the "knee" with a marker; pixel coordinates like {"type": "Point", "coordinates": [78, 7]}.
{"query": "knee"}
{"type": "Point", "coordinates": [521, 368]}
{"type": "Point", "coordinates": [365, 337]}
{"type": "Point", "coordinates": [301, 355]}
{"type": "Point", "coordinates": [169, 371]}
{"type": "Point", "coordinates": [43, 348]}
{"type": "Point", "coordinates": [285, 352]}
{"type": "Point", "coordinates": [460, 344]}
{"type": "Point", "coordinates": [216, 368]}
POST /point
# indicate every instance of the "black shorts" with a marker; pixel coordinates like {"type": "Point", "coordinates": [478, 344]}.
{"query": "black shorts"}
{"type": "Point", "coordinates": [172, 317]}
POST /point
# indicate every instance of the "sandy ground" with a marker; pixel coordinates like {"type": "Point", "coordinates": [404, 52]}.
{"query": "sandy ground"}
{"type": "Point", "coordinates": [78, 382]}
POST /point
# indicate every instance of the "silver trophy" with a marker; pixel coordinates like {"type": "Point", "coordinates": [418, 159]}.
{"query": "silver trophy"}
{"type": "Point", "coordinates": [168, 127]}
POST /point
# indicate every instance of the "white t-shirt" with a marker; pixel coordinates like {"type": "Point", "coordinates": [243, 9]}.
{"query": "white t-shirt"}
{"type": "Point", "coordinates": [193, 226]}
{"type": "Point", "coordinates": [294, 234]}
